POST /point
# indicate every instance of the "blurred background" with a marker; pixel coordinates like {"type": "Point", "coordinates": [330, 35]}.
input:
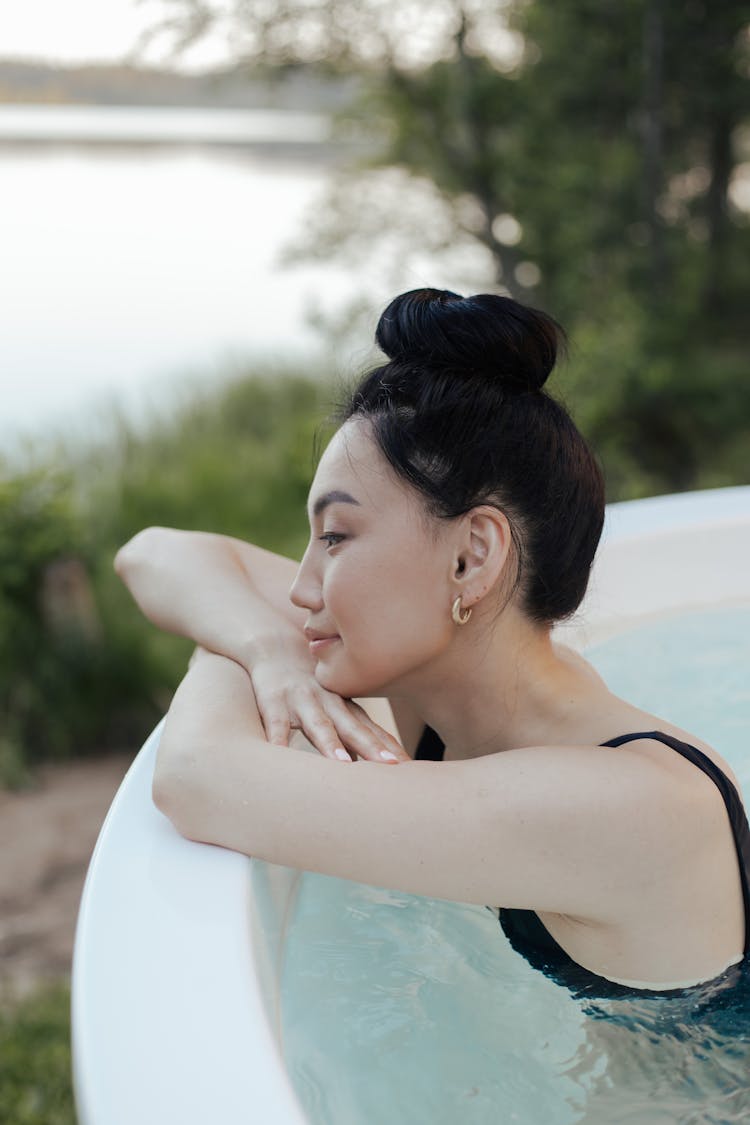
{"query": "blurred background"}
{"type": "Point", "coordinates": [203, 207]}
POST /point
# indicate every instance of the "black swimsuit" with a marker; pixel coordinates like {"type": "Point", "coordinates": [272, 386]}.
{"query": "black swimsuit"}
{"type": "Point", "coordinates": [525, 929]}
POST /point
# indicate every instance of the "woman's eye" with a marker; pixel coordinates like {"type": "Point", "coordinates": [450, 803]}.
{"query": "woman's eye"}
{"type": "Point", "coordinates": [331, 538]}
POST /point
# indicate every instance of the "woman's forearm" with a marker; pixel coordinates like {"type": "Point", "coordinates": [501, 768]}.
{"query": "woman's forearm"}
{"type": "Point", "coordinates": [224, 594]}
{"type": "Point", "coordinates": [213, 705]}
{"type": "Point", "coordinates": [232, 599]}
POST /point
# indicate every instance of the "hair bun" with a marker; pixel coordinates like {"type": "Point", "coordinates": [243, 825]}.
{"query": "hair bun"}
{"type": "Point", "coordinates": [486, 334]}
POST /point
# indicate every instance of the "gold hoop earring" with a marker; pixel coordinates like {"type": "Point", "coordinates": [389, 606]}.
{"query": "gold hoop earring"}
{"type": "Point", "coordinates": [460, 616]}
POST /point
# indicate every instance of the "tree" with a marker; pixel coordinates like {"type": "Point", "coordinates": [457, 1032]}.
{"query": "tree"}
{"type": "Point", "coordinates": [594, 150]}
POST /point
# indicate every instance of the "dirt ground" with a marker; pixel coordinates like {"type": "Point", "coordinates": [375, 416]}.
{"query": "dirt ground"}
{"type": "Point", "coordinates": [47, 835]}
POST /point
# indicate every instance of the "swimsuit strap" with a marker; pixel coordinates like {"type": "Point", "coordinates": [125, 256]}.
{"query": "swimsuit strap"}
{"type": "Point", "coordinates": [431, 748]}
{"type": "Point", "coordinates": [730, 796]}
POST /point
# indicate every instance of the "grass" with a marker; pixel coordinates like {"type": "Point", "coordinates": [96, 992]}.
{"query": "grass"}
{"type": "Point", "coordinates": [36, 1086]}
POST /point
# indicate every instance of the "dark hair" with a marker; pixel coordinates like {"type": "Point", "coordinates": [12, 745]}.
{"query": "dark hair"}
{"type": "Point", "coordinates": [459, 412]}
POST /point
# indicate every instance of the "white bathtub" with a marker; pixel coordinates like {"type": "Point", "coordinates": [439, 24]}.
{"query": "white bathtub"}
{"type": "Point", "coordinates": [179, 945]}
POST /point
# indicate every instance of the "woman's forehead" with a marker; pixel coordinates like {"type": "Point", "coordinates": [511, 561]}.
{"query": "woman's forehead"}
{"type": "Point", "coordinates": [353, 463]}
{"type": "Point", "coordinates": [349, 459]}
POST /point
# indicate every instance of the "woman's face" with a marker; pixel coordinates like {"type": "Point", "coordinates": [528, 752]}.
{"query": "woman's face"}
{"type": "Point", "coordinates": [375, 578]}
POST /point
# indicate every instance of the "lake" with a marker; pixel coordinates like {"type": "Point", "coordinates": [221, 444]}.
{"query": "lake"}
{"type": "Point", "coordinates": [141, 248]}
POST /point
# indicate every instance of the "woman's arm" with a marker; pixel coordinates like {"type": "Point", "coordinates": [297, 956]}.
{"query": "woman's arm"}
{"type": "Point", "coordinates": [541, 828]}
{"type": "Point", "coordinates": [232, 598]}
{"type": "Point", "coordinates": [228, 596]}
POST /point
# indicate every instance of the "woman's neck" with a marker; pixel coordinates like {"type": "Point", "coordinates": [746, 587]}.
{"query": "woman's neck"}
{"type": "Point", "coordinates": [506, 686]}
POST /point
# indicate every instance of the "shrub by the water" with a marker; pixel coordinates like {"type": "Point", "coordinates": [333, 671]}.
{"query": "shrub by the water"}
{"type": "Point", "coordinates": [80, 671]}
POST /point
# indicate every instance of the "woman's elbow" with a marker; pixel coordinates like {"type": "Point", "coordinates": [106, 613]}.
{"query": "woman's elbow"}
{"type": "Point", "coordinates": [170, 793]}
{"type": "Point", "coordinates": [162, 793]}
{"type": "Point", "coordinates": [137, 550]}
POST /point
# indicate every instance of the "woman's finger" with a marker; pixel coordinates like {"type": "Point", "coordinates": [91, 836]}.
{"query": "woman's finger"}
{"type": "Point", "coordinates": [277, 729]}
{"type": "Point", "coordinates": [274, 714]}
{"type": "Point", "coordinates": [321, 731]}
{"type": "Point", "coordinates": [363, 735]}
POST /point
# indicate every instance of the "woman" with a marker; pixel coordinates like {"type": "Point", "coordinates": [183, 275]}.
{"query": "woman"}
{"type": "Point", "coordinates": [454, 518]}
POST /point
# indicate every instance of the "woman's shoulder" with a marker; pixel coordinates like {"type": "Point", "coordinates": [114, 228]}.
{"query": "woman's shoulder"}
{"type": "Point", "coordinates": [667, 757]}
{"type": "Point", "coordinates": [576, 660]}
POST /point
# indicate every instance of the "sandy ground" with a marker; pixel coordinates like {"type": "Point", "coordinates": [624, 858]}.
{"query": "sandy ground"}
{"type": "Point", "coordinates": [47, 835]}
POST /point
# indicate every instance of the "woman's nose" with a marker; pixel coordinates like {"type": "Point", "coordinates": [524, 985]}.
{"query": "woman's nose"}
{"type": "Point", "coordinates": [305, 590]}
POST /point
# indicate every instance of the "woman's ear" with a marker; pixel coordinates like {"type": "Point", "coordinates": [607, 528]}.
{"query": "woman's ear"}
{"type": "Point", "coordinates": [482, 552]}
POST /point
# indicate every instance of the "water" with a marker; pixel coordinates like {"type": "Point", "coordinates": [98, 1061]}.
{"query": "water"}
{"type": "Point", "coordinates": [403, 1010]}
{"type": "Point", "coordinates": [135, 125]}
{"type": "Point", "coordinates": [125, 269]}
{"type": "Point", "coordinates": [143, 249]}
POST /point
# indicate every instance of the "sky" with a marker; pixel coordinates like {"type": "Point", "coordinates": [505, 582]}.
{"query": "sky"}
{"type": "Point", "coordinates": [87, 31]}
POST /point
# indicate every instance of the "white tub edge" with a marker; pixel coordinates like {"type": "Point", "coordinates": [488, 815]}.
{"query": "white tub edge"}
{"type": "Point", "coordinates": [162, 1031]}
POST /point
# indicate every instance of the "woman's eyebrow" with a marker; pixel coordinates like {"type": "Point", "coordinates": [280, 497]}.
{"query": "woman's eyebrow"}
{"type": "Point", "coordinates": [333, 497]}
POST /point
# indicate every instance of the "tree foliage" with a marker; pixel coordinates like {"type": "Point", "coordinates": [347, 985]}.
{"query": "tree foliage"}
{"type": "Point", "coordinates": [599, 153]}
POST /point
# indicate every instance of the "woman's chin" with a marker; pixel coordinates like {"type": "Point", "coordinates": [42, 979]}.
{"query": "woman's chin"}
{"type": "Point", "coordinates": [347, 686]}
{"type": "Point", "coordinates": [326, 677]}
{"type": "Point", "coordinates": [338, 682]}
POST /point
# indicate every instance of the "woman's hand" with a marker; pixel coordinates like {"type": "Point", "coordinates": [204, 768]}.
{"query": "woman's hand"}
{"type": "Point", "coordinates": [232, 598]}
{"type": "Point", "coordinates": [289, 698]}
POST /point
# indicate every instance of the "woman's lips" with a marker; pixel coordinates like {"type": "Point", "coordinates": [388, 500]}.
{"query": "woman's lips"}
{"type": "Point", "coordinates": [320, 642]}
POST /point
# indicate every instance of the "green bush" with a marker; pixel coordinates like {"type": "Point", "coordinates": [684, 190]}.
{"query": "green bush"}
{"type": "Point", "coordinates": [65, 686]}
{"type": "Point", "coordinates": [35, 1070]}
{"type": "Point", "coordinates": [80, 670]}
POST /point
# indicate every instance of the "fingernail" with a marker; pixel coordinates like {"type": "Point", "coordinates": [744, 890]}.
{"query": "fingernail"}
{"type": "Point", "coordinates": [341, 754]}
{"type": "Point", "coordinates": [387, 756]}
